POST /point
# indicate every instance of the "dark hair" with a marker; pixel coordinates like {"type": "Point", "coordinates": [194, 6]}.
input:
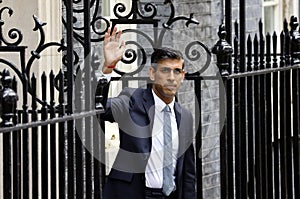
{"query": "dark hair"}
{"type": "Point", "coordinates": [164, 53]}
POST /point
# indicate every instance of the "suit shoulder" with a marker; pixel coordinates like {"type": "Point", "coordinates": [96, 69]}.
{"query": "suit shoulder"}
{"type": "Point", "coordinates": [132, 91]}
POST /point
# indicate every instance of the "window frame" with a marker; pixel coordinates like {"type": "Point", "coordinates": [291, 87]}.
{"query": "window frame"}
{"type": "Point", "coordinates": [278, 18]}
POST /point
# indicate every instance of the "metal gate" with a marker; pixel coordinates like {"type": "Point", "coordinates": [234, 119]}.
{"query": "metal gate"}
{"type": "Point", "coordinates": [53, 144]}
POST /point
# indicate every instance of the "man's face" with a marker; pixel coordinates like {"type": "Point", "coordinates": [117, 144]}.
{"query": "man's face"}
{"type": "Point", "coordinates": [167, 77]}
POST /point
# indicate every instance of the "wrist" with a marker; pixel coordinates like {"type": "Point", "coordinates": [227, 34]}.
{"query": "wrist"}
{"type": "Point", "coordinates": [107, 69]}
{"type": "Point", "coordinates": [111, 66]}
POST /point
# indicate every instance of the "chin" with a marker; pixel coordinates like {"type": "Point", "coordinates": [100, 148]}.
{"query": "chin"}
{"type": "Point", "coordinates": [170, 94]}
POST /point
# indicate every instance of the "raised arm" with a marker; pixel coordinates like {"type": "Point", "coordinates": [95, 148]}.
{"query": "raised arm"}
{"type": "Point", "coordinates": [113, 50]}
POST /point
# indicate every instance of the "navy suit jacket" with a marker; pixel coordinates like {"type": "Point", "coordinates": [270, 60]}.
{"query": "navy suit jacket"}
{"type": "Point", "coordinates": [134, 110]}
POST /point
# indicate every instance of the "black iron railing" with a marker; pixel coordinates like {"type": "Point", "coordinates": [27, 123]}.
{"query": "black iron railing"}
{"type": "Point", "coordinates": [260, 138]}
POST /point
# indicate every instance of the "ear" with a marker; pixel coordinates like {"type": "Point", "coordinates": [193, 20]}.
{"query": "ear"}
{"type": "Point", "coordinates": [151, 72]}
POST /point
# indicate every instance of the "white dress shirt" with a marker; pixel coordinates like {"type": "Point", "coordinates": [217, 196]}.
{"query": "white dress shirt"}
{"type": "Point", "coordinates": [154, 168]}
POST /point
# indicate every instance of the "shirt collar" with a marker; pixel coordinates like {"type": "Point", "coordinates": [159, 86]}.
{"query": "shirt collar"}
{"type": "Point", "coordinates": [160, 105]}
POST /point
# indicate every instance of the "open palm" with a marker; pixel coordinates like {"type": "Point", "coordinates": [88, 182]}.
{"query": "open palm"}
{"type": "Point", "coordinates": [113, 50]}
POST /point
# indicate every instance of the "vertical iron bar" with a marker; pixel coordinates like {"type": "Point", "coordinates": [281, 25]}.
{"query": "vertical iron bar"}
{"type": "Point", "coordinates": [242, 33]}
{"type": "Point", "coordinates": [257, 123]}
{"type": "Point", "coordinates": [228, 20]}
{"type": "Point", "coordinates": [223, 144]}
{"type": "Point", "coordinates": [275, 121]}
{"type": "Point", "coordinates": [16, 139]}
{"type": "Point", "coordinates": [70, 124]}
{"type": "Point", "coordinates": [103, 156]}
{"type": "Point", "coordinates": [243, 118]}
{"type": "Point", "coordinates": [62, 142]}
{"type": "Point", "coordinates": [229, 105]}
{"type": "Point", "coordinates": [224, 65]}
{"type": "Point", "coordinates": [88, 98]}
{"type": "Point", "coordinates": [229, 140]}
{"type": "Point", "coordinates": [262, 112]}
{"type": "Point", "coordinates": [237, 137]}
{"type": "Point", "coordinates": [7, 172]}
{"type": "Point", "coordinates": [226, 147]}
{"type": "Point", "coordinates": [99, 150]}
{"type": "Point", "coordinates": [243, 137]}
{"type": "Point", "coordinates": [282, 121]}
{"type": "Point", "coordinates": [296, 130]}
{"type": "Point", "coordinates": [97, 159]}
{"type": "Point", "coordinates": [79, 163]}
{"type": "Point", "coordinates": [78, 142]}
{"type": "Point", "coordinates": [53, 140]}
{"type": "Point", "coordinates": [44, 139]}
{"type": "Point", "coordinates": [17, 165]}
{"type": "Point", "coordinates": [268, 117]}
{"type": "Point", "coordinates": [249, 94]}
{"type": "Point", "coordinates": [25, 155]}
{"type": "Point", "coordinates": [34, 142]}
{"type": "Point", "coordinates": [197, 83]}
{"type": "Point", "coordinates": [237, 123]}
{"type": "Point", "coordinates": [231, 171]}
{"type": "Point", "coordinates": [288, 124]}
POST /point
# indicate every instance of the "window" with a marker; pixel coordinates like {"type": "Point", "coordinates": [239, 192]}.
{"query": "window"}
{"type": "Point", "coordinates": [272, 16]}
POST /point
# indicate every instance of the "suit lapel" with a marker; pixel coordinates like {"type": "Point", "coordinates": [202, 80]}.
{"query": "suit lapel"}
{"type": "Point", "coordinates": [177, 110]}
{"type": "Point", "coordinates": [148, 102]}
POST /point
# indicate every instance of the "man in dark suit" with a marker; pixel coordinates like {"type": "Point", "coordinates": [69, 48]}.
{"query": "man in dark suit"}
{"type": "Point", "coordinates": [148, 166]}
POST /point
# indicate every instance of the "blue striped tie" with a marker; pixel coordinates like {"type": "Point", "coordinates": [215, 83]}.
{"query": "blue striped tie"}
{"type": "Point", "coordinates": [168, 182]}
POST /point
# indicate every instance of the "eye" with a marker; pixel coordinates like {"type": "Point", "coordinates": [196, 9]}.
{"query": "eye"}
{"type": "Point", "coordinates": [177, 71]}
{"type": "Point", "coordinates": [165, 70]}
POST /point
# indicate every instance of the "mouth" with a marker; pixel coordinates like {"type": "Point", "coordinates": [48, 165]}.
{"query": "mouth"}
{"type": "Point", "coordinates": [171, 87]}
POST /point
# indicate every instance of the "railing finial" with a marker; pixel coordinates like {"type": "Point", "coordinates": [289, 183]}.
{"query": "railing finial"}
{"type": "Point", "coordinates": [223, 51]}
{"type": "Point", "coordinates": [295, 40]}
{"type": "Point", "coordinates": [8, 99]}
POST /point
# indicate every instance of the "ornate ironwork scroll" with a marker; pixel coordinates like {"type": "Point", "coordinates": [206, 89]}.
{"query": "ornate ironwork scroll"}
{"type": "Point", "coordinates": [140, 13]}
{"type": "Point", "coordinates": [11, 42]}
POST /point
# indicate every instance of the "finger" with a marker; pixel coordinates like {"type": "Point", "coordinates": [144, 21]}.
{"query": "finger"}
{"type": "Point", "coordinates": [118, 35]}
{"type": "Point", "coordinates": [107, 36]}
{"type": "Point", "coordinates": [123, 45]}
{"type": "Point", "coordinates": [113, 33]}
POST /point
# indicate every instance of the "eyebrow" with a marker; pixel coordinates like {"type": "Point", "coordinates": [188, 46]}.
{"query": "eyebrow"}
{"type": "Point", "coordinates": [165, 66]}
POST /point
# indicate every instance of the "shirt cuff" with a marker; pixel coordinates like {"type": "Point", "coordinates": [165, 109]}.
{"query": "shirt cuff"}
{"type": "Point", "coordinates": [100, 75]}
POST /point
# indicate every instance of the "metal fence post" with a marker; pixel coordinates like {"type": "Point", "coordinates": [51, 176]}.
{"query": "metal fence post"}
{"type": "Point", "coordinates": [223, 51]}
{"type": "Point", "coordinates": [8, 99]}
{"type": "Point", "coordinates": [295, 41]}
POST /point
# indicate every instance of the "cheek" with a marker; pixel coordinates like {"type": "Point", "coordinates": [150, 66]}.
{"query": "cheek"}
{"type": "Point", "coordinates": [157, 79]}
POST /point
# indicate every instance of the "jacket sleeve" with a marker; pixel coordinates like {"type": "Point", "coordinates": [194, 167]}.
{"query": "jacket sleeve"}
{"type": "Point", "coordinates": [189, 167]}
{"type": "Point", "coordinates": [189, 174]}
{"type": "Point", "coordinates": [115, 106]}
{"type": "Point", "coordinates": [102, 99]}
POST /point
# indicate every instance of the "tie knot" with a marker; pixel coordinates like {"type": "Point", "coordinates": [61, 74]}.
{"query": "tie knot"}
{"type": "Point", "coordinates": [167, 109]}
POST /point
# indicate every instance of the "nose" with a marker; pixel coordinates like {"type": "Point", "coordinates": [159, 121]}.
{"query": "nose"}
{"type": "Point", "coordinates": [172, 75]}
